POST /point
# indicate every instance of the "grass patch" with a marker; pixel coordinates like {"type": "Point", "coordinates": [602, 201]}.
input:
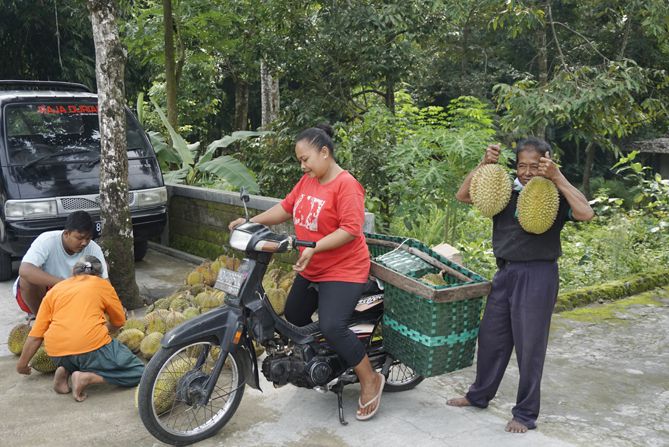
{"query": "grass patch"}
{"type": "Point", "coordinates": [612, 310]}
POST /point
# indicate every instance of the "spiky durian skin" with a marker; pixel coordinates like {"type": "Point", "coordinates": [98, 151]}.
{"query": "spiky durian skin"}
{"type": "Point", "coordinates": [150, 344]}
{"type": "Point", "coordinates": [538, 205]}
{"type": "Point", "coordinates": [17, 338]}
{"type": "Point", "coordinates": [490, 189]}
{"type": "Point", "coordinates": [42, 362]}
{"type": "Point", "coordinates": [131, 338]}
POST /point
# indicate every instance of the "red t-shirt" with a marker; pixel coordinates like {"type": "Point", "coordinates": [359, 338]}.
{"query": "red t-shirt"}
{"type": "Point", "coordinates": [319, 210]}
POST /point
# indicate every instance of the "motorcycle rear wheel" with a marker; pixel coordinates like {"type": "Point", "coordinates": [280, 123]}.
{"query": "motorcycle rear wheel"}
{"type": "Point", "coordinates": [170, 384]}
{"type": "Point", "coordinates": [401, 378]}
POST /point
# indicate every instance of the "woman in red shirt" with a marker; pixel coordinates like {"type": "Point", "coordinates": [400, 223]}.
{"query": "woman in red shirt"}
{"type": "Point", "coordinates": [327, 207]}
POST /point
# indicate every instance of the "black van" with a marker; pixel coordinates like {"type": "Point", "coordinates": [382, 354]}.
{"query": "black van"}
{"type": "Point", "coordinates": [50, 166]}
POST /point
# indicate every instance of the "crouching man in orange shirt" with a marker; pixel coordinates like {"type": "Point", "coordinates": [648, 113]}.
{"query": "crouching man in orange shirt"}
{"type": "Point", "coordinates": [71, 321]}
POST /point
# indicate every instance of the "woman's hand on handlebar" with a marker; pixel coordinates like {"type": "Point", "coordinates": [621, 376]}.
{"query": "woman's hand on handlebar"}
{"type": "Point", "coordinates": [235, 223]}
{"type": "Point", "coordinates": [304, 259]}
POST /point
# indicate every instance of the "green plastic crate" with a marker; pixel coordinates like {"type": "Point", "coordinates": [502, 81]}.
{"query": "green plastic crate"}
{"type": "Point", "coordinates": [430, 328]}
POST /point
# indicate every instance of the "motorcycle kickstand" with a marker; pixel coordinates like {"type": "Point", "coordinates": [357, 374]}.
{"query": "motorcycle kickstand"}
{"type": "Point", "coordinates": [339, 389]}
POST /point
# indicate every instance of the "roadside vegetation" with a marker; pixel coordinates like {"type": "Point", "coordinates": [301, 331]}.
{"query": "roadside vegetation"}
{"type": "Point", "coordinates": [415, 90]}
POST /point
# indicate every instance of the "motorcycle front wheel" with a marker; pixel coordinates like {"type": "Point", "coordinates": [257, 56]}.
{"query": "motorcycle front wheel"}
{"type": "Point", "coordinates": [170, 390]}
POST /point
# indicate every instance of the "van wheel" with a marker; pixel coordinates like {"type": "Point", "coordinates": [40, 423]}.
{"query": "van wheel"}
{"type": "Point", "coordinates": [140, 249]}
{"type": "Point", "coordinates": [5, 266]}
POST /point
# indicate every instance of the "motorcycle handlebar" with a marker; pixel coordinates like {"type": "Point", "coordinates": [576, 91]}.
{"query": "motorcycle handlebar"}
{"type": "Point", "coordinates": [299, 243]}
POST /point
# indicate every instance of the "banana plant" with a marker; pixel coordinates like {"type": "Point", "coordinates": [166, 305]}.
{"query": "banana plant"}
{"type": "Point", "coordinates": [202, 168]}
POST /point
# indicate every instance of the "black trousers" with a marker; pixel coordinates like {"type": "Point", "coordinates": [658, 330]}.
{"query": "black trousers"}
{"type": "Point", "coordinates": [517, 314]}
{"type": "Point", "coordinates": [336, 301]}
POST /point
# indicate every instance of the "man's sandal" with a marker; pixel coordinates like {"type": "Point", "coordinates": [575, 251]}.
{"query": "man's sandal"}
{"type": "Point", "coordinates": [377, 399]}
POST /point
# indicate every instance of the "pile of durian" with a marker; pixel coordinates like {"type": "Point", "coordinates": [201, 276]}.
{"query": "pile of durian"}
{"type": "Point", "coordinates": [196, 296]}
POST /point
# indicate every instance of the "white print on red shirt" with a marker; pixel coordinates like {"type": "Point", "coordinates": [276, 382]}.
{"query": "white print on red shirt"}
{"type": "Point", "coordinates": [306, 214]}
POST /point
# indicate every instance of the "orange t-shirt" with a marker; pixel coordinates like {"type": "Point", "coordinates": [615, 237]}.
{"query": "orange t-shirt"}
{"type": "Point", "coordinates": [319, 210]}
{"type": "Point", "coordinates": [71, 318]}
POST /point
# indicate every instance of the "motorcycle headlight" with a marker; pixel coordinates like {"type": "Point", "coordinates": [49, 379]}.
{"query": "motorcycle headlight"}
{"type": "Point", "coordinates": [19, 209]}
{"type": "Point", "coordinates": [151, 197]}
{"type": "Point", "coordinates": [239, 239]}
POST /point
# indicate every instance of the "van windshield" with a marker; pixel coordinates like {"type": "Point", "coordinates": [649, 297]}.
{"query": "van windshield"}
{"type": "Point", "coordinates": [58, 131]}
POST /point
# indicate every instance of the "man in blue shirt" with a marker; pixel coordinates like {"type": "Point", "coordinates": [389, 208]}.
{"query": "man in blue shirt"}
{"type": "Point", "coordinates": [52, 256]}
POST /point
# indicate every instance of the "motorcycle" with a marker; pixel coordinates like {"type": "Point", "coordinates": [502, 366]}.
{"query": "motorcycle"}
{"type": "Point", "coordinates": [193, 385]}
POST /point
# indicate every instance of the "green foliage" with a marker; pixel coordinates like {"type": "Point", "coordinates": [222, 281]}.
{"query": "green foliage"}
{"type": "Point", "coordinates": [194, 167]}
{"type": "Point", "coordinates": [651, 192]}
{"type": "Point", "coordinates": [272, 158]}
{"type": "Point", "coordinates": [598, 104]}
{"type": "Point", "coordinates": [412, 163]}
{"type": "Point", "coordinates": [611, 248]}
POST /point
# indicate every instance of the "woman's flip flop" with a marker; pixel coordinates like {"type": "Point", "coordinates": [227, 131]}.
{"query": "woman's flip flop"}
{"type": "Point", "coordinates": [377, 399]}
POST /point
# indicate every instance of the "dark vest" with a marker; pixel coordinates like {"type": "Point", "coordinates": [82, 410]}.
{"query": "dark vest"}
{"type": "Point", "coordinates": [511, 243]}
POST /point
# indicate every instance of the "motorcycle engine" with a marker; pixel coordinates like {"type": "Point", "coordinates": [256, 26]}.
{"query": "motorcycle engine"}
{"type": "Point", "coordinates": [301, 367]}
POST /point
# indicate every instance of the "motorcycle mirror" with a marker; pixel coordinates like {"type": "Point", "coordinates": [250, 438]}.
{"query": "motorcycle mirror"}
{"type": "Point", "coordinates": [244, 197]}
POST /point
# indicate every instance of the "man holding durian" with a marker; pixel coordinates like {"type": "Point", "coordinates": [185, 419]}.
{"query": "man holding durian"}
{"type": "Point", "coordinates": [528, 215]}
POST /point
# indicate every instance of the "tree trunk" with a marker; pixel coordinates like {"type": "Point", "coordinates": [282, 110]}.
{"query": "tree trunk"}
{"type": "Point", "coordinates": [170, 65]}
{"type": "Point", "coordinates": [542, 61]}
{"type": "Point", "coordinates": [390, 95]}
{"type": "Point", "coordinates": [587, 168]}
{"type": "Point", "coordinates": [241, 105]}
{"type": "Point", "coordinates": [117, 239]}
{"type": "Point", "coordinates": [269, 93]}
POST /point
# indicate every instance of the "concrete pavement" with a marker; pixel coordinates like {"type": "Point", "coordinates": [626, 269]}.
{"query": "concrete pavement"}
{"type": "Point", "coordinates": [606, 382]}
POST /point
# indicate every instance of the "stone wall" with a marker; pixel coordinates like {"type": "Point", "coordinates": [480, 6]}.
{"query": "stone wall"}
{"type": "Point", "coordinates": [198, 219]}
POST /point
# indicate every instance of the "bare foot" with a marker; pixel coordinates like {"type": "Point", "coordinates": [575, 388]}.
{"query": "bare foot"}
{"type": "Point", "coordinates": [80, 380]}
{"type": "Point", "coordinates": [458, 402]}
{"type": "Point", "coordinates": [368, 394]}
{"type": "Point", "coordinates": [60, 384]}
{"type": "Point", "coordinates": [515, 426]}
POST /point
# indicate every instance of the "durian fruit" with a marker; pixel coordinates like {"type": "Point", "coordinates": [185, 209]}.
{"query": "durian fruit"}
{"type": "Point", "coordinates": [274, 275]}
{"type": "Point", "coordinates": [164, 391]}
{"type": "Point", "coordinates": [178, 304]}
{"type": "Point", "coordinates": [232, 263]}
{"type": "Point", "coordinates": [219, 295]}
{"type": "Point", "coordinates": [133, 323]}
{"type": "Point", "coordinates": [191, 312]}
{"type": "Point", "coordinates": [195, 289]}
{"type": "Point", "coordinates": [206, 300]}
{"type": "Point", "coordinates": [287, 281]}
{"type": "Point", "coordinates": [277, 298]}
{"type": "Point", "coordinates": [490, 189]}
{"type": "Point", "coordinates": [131, 338]}
{"type": "Point", "coordinates": [434, 279]}
{"type": "Point", "coordinates": [194, 278]}
{"type": "Point", "coordinates": [17, 338]}
{"type": "Point", "coordinates": [151, 344]}
{"type": "Point", "coordinates": [174, 319]}
{"type": "Point", "coordinates": [42, 362]}
{"type": "Point", "coordinates": [538, 205]}
{"type": "Point", "coordinates": [163, 303]}
{"type": "Point", "coordinates": [156, 321]}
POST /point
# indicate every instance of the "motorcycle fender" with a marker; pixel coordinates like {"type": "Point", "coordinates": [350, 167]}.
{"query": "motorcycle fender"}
{"type": "Point", "coordinates": [208, 326]}
{"type": "Point", "coordinates": [249, 373]}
